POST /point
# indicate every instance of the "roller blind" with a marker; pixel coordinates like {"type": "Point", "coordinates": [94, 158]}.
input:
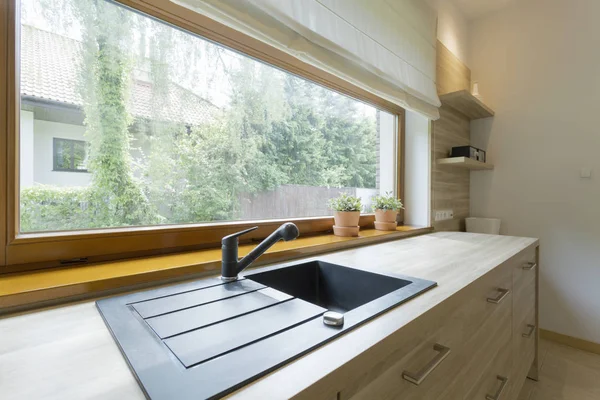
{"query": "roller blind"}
{"type": "Point", "coordinates": [386, 47]}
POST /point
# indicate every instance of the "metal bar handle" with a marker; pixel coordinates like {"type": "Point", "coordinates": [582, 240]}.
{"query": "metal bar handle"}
{"type": "Point", "coordinates": [504, 381]}
{"type": "Point", "coordinates": [531, 330]}
{"type": "Point", "coordinates": [529, 266]}
{"type": "Point", "coordinates": [501, 296]}
{"type": "Point", "coordinates": [420, 376]}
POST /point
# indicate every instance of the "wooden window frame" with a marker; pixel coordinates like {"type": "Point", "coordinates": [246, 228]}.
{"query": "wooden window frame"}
{"type": "Point", "coordinates": [20, 252]}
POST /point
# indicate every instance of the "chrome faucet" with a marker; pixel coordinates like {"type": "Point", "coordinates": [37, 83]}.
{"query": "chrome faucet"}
{"type": "Point", "coordinates": [231, 266]}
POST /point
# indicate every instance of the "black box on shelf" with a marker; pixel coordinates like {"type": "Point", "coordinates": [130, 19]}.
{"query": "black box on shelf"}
{"type": "Point", "coordinates": [468, 151]}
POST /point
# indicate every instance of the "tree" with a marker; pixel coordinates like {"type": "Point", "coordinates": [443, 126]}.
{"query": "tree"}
{"type": "Point", "coordinates": [297, 141]}
{"type": "Point", "coordinates": [116, 198]}
{"type": "Point", "coordinates": [351, 139]}
{"type": "Point", "coordinates": [257, 102]}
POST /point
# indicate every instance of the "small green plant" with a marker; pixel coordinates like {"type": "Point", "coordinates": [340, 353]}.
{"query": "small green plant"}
{"type": "Point", "coordinates": [386, 202]}
{"type": "Point", "coordinates": [345, 202]}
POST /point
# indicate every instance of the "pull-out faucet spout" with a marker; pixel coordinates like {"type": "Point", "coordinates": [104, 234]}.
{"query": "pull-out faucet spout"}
{"type": "Point", "coordinates": [231, 266]}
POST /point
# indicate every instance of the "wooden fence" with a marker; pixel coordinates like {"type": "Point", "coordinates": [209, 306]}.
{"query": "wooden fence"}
{"type": "Point", "coordinates": [297, 201]}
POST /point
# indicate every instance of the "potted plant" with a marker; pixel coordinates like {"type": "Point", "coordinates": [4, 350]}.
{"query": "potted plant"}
{"type": "Point", "coordinates": [386, 210]}
{"type": "Point", "coordinates": [346, 214]}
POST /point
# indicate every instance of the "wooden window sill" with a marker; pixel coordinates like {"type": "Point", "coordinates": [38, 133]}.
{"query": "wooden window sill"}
{"type": "Point", "coordinates": [39, 288]}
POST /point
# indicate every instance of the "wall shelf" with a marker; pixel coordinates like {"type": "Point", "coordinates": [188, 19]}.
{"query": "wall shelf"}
{"type": "Point", "coordinates": [464, 102]}
{"type": "Point", "coordinates": [465, 162]}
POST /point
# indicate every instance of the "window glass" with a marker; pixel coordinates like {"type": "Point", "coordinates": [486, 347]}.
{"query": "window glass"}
{"type": "Point", "coordinates": [69, 155]}
{"type": "Point", "coordinates": [175, 129]}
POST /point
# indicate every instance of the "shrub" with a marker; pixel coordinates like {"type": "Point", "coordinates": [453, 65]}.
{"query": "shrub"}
{"type": "Point", "coordinates": [386, 202]}
{"type": "Point", "coordinates": [50, 208]}
{"type": "Point", "coordinates": [345, 202]}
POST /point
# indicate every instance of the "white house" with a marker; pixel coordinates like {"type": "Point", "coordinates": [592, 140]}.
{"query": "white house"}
{"type": "Point", "coordinates": [52, 140]}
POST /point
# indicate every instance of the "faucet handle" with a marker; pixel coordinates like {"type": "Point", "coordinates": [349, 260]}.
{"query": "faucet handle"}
{"type": "Point", "coordinates": [233, 238]}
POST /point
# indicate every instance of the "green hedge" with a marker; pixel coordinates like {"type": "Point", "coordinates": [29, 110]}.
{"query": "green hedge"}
{"type": "Point", "coordinates": [50, 208]}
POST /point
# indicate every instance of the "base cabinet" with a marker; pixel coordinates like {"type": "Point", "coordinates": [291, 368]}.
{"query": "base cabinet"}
{"type": "Point", "coordinates": [525, 327]}
{"type": "Point", "coordinates": [479, 344]}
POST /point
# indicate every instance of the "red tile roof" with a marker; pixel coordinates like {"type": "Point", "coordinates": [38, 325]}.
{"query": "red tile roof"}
{"type": "Point", "coordinates": [49, 71]}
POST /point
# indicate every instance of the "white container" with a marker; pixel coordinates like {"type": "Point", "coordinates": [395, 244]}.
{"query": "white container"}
{"type": "Point", "coordinates": [483, 225]}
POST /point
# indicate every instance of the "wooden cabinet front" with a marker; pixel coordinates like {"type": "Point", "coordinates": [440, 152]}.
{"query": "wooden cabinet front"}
{"type": "Point", "coordinates": [479, 344]}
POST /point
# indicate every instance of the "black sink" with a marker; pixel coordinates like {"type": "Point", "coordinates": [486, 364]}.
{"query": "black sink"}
{"type": "Point", "coordinates": [330, 286]}
{"type": "Point", "coordinates": [207, 338]}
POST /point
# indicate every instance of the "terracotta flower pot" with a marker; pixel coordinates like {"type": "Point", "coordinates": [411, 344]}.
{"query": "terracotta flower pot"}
{"type": "Point", "coordinates": [346, 231]}
{"type": "Point", "coordinates": [346, 218]}
{"type": "Point", "coordinates": [386, 215]}
{"type": "Point", "coordinates": [385, 220]}
{"type": "Point", "coordinates": [346, 223]}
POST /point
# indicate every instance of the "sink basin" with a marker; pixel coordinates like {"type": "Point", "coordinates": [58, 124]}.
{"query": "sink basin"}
{"type": "Point", "coordinates": [330, 286]}
{"type": "Point", "coordinates": [206, 338]}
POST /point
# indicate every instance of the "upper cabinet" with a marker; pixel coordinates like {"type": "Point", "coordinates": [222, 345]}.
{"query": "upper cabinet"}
{"type": "Point", "coordinates": [453, 82]}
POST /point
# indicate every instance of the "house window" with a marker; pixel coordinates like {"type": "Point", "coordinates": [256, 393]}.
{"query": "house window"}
{"type": "Point", "coordinates": [187, 139]}
{"type": "Point", "coordinates": [69, 155]}
{"type": "Point", "coordinates": [219, 137]}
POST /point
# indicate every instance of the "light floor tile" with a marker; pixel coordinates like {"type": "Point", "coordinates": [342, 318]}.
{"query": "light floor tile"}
{"type": "Point", "coordinates": [565, 374]}
{"type": "Point", "coordinates": [527, 390]}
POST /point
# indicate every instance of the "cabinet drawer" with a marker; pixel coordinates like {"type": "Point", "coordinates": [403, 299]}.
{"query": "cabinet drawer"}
{"type": "Point", "coordinates": [489, 303]}
{"type": "Point", "coordinates": [429, 351]}
{"type": "Point", "coordinates": [410, 350]}
{"type": "Point", "coordinates": [495, 382]}
{"type": "Point", "coordinates": [524, 299]}
{"type": "Point", "coordinates": [524, 305]}
{"type": "Point", "coordinates": [492, 338]}
{"type": "Point", "coordinates": [523, 349]}
{"type": "Point", "coordinates": [435, 364]}
{"type": "Point", "coordinates": [525, 270]}
{"type": "Point", "coordinates": [524, 335]}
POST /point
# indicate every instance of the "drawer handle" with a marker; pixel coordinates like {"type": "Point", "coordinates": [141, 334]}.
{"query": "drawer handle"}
{"type": "Point", "coordinates": [503, 381]}
{"type": "Point", "coordinates": [531, 330]}
{"type": "Point", "coordinates": [529, 266]}
{"type": "Point", "coordinates": [420, 376]}
{"type": "Point", "coordinates": [501, 296]}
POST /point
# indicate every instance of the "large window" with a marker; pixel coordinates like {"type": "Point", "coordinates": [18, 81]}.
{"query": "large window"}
{"type": "Point", "coordinates": [181, 130]}
{"type": "Point", "coordinates": [187, 130]}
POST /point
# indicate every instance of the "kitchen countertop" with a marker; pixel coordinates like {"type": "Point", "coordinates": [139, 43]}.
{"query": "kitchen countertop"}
{"type": "Point", "coordinates": [67, 352]}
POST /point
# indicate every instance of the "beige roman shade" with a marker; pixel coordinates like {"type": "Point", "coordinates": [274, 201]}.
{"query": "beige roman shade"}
{"type": "Point", "coordinates": [386, 47]}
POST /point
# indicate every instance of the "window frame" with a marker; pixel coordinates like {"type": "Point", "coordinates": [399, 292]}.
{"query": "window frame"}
{"type": "Point", "coordinates": [20, 252]}
{"type": "Point", "coordinates": [71, 142]}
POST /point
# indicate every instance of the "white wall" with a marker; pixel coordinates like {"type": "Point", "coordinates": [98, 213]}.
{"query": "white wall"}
{"type": "Point", "coordinates": [44, 132]}
{"type": "Point", "coordinates": [26, 149]}
{"type": "Point", "coordinates": [537, 63]}
{"type": "Point", "coordinates": [452, 28]}
{"type": "Point", "coordinates": [387, 152]}
{"type": "Point", "coordinates": [417, 162]}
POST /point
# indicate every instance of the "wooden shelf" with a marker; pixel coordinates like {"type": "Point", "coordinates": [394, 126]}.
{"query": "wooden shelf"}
{"type": "Point", "coordinates": [464, 102]}
{"type": "Point", "coordinates": [465, 162]}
